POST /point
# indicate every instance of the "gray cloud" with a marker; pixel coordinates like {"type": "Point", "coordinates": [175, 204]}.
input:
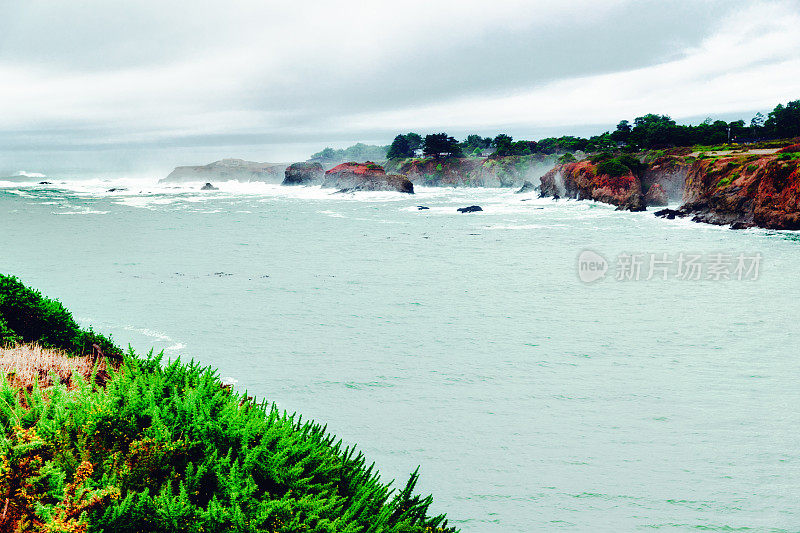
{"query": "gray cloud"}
{"type": "Point", "coordinates": [97, 75]}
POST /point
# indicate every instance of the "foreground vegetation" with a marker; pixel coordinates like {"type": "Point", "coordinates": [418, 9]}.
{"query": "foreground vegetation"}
{"type": "Point", "coordinates": [163, 446]}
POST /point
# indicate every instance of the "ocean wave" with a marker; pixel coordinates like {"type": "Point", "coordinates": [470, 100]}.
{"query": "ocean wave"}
{"type": "Point", "coordinates": [30, 174]}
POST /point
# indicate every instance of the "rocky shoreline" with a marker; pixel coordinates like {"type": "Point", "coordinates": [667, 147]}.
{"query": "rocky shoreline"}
{"type": "Point", "coordinates": [736, 188]}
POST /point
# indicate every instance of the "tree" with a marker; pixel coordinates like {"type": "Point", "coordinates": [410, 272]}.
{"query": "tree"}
{"type": "Point", "coordinates": [623, 132]}
{"type": "Point", "coordinates": [327, 154]}
{"type": "Point", "coordinates": [502, 144]}
{"type": "Point", "coordinates": [653, 131]}
{"type": "Point", "coordinates": [400, 148]}
{"type": "Point", "coordinates": [414, 140]}
{"type": "Point", "coordinates": [784, 121]}
{"type": "Point", "coordinates": [440, 144]}
{"type": "Point", "coordinates": [757, 121]}
{"type": "Point", "coordinates": [476, 143]}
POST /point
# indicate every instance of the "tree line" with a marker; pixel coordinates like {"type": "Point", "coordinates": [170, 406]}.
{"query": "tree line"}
{"type": "Point", "coordinates": [650, 131]}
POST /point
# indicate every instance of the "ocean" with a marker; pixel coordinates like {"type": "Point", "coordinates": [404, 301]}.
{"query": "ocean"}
{"type": "Point", "coordinates": [536, 392]}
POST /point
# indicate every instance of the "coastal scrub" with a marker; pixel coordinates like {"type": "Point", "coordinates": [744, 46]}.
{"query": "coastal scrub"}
{"type": "Point", "coordinates": [164, 446]}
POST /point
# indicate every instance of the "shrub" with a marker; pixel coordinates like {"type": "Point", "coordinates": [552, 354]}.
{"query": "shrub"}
{"type": "Point", "coordinates": [612, 167]}
{"type": "Point", "coordinates": [600, 156]}
{"type": "Point", "coordinates": [27, 316]}
{"type": "Point", "coordinates": [569, 157]}
{"type": "Point", "coordinates": [632, 163]}
{"type": "Point", "coordinates": [7, 336]}
{"type": "Point", "coordinates": [725, 181]}
{"type": "Point", "coordinates": [791, 148]}
{"type": "Point", "coordinates": [169, 449]}
{"type": "Point", "coordinates": [166, 448]}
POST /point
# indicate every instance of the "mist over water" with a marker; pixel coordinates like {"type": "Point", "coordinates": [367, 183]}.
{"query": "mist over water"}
{"type": "Point", "coordinates": [462, 343]}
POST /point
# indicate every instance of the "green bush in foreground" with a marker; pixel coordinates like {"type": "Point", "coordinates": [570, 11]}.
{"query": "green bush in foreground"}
{"type": "Point", "coordinates": [169, 449]}
{"type": "Point", "coordinates": [27, 316]}
{"type": "Point", "coordinates": [164, 447]}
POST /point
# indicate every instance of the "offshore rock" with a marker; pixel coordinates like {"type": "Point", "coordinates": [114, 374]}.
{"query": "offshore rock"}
{"type": "Point", "coordinates": [365, 177]}
{"type": "Point", "coordinates": [303, 174]}
{"type": "Point", "coordinates": [527, 187]}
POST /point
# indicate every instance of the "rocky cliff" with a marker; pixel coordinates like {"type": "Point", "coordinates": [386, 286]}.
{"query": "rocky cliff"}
{"type": "Point", "coordinates": [584, 180]}
{"type": "Point", "coordinates": [744, 191]}
{"type": "Point", "coordinates": [303, 174]}
{"type": "Point", "coordinates": [365, 177]}
{"type": "Point", "coordinates": [511, 171]}
{"type": "Point", "coordinates": [227, 169]}
{"type": "Point", "coordinates": [740, 189]}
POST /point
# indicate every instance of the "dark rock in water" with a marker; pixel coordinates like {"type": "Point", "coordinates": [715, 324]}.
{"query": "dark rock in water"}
{"type": "Point", "coordinates": [634, 202]}
{"type": "Point", "coordinates": [117, 189]}
{"type": "Point", "coordinates": [421, 207]}
{"type": "Point", "coordinates": [208, 187]}
{"type": "Point", "coordinates": [670, 214]}
{"type": "Point", "coordinates": [741, 225]}
{"type": "Point", "coordinates": [470, 209]}
{"type": "Point", "coordinates": [556, 197]}
{"type": "Point", "coordinates": [526, 188]}
{"type": "Point", "coordinates": [45, 183]}
{"type": "Point", "coordinates": [303, 174]}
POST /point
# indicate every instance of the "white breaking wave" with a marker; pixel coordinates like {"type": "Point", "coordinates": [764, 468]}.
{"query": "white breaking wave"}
{"type": "Point", "coordinates": [30, 174]}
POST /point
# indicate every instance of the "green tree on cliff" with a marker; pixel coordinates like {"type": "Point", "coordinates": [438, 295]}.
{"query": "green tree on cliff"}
{"type": "Point", "coordinates": [623, 132]}
{"type": "Point", "coordinates": [653, 131]}
{"type": "Point", "coordinates": [475, 143]}
{"type": "Point", "coordinates": [415, 140]}
{"type": "Point", "coordinates": [502, 144]}
{"type": "Point", "coordinates": [441, 145]}
{"type": "Point", "coordinates": [399, 148]}
{"type": "Point", "coordinates": [784, 121]}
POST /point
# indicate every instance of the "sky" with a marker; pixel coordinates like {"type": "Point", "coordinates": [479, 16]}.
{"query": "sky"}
{"type": "Point", "coordinates": [147, 85]}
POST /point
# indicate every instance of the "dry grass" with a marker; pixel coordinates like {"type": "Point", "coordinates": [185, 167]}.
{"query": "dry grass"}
{"type": "Point", "coordinates": [24, 364]}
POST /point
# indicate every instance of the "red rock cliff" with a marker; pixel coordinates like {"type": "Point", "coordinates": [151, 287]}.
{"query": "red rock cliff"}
{"type": "Point", "coordinates": [583, 181]}
{"type": "Point", "coordinates": [744, 191]}
{"type": "Point", "coordinates": [365, 177]}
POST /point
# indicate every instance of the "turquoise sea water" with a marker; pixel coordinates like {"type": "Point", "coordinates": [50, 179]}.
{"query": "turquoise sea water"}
{"type": "Point", "coordinates": [463, 343]}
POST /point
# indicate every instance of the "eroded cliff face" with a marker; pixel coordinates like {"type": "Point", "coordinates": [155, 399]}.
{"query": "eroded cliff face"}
{"type": "Point", "coordinates": [511, 171]}
{"type": "Point", "coordinates": [739, 189]}
{"type": "Point", "coordinates": [745, 191]}
{"type": "Point", "coordinates": [227, 169]}
{"type": "Point", "coordinates": [669, 172]}
{"type": "Point", "coordinates": [582, 181]}
{"type": "Point", "coordinates": [365, 177]}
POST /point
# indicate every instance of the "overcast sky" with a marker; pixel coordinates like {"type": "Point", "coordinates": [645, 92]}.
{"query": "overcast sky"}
{"type": "Point", "coordinates": [277, 80]}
